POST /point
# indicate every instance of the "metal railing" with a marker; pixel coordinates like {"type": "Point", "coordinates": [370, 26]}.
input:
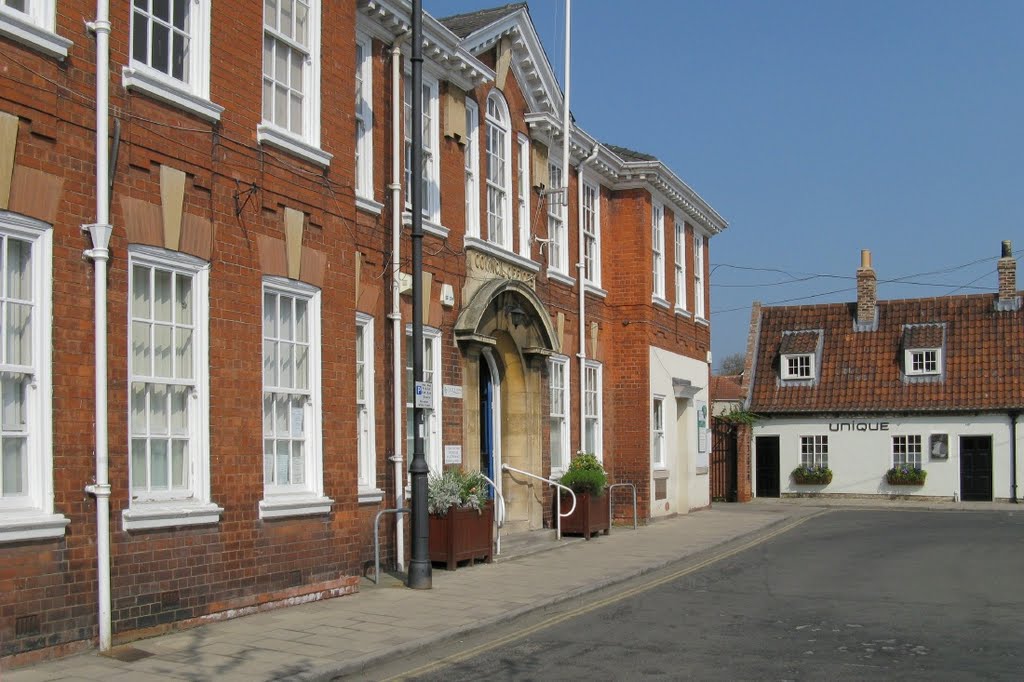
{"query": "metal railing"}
{"type": "Point", "coordinates": [499, 514]}
{"type": "Point", "coordinates": [617, 485]}
{"type": "Point", "coordinates": [376, 539]}
{"type": "Point", "coordinates": [559, 515]}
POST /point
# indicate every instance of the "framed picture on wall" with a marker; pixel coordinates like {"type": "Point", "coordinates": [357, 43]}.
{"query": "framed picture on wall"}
{"type": "Point", "coordinates": [938, 446]}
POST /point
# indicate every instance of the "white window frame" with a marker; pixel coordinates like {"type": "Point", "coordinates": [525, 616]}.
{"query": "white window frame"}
{"type": "Point", "coordinates": [559, 411]}
{"type": "Point", "coordinates": [364, 116]}
{"type": "Point", "coordinates": [193, 505]}
{"type": "Point", "coordinates": [558, 237]}
{"type": "Point", "coordinates": [907, 450]}
{"type": "Point", "coordinates": [801, 362]}
{"type": "Point", "coordinates": [30, 516]}
{"type": "Point", "coordinates": [191, 93]}
{"type": "Point", "coordinates": [593, 408]}
{"type": "Point", "coordinates": [499, 211]}
{"type": "Point", "coordinates": [471, 154]}
{"type": "Point", "coordinates": [35, 28]}
{"type": "Point", "coordinates": [658, 250]}
{"type": "Point", "coordinates": [523, 193]}
{"type": "Point", "coordinates": [433, 419]}
{"type": "Point", "coordinates": [699, 295]}
{"type": "Point", "coordinates": [680, 271]}
{"type": "Point", "coordinates": [912, 354]}
{"type": "Point", "coordinates": [305, 498]}
{"type": "Point", "coordinates": [307, 144]}
{"type": "Point", "coordinates": [814, 451]}
{"type": "Point", "coordinates": [658, 432]}
{"type": "Point", "coordinates": [590, 214]}
{"type": "Point", "coordinates": [431, 208]}
{"type": "Point", "coordinates": [366, 441]}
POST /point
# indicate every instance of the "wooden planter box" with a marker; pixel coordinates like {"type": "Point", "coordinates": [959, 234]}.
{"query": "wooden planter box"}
{"type": "Point", "coordinates": [462, 534]}
{"type": "Point", "coordinates": [898, 482]}
{"type": "Point", "coordinates": [589, 517]}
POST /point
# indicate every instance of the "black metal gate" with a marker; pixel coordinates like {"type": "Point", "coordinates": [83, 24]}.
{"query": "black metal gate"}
{"type": "Point", "coordinates": [723, 460]}
{"type": "Point", "coordinates": [976, 468]}
{"type": "Point", "coordinates": [767, 468]}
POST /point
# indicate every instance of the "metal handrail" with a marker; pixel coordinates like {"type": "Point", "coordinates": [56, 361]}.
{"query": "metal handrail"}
{"type": "Point", "coordinates": [499, 515]}
{"type": "Point", "coordinates": [376, 539]}
{"type": "Point", "coordinates": [616, 485]}
{"type": "Point", "coordinates": [558, 532]}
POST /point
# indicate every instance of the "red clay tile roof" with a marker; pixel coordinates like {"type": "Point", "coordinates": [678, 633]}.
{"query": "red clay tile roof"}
{"type": "Point", "coordinates": [726, 388]}
{"type": "Point", "coordinates": [922, 336]}
{"type": "Point", "coordinates": [799, 342]}
{"type": "Point", "coordinates": [861, 371]}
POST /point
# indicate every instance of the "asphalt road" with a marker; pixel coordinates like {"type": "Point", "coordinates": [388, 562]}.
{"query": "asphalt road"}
{"type": "Point", "coordinates": [848, 595]}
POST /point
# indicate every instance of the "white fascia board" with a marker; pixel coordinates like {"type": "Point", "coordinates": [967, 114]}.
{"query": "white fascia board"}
{"type": "Point", "coordinates": [387, 19]}
{"type": "Point", "coordinates": [655, 175]}
{"type": "Point", "coordinates": [525, 39]}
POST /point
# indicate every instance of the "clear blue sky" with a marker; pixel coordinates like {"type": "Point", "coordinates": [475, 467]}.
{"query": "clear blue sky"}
{"type": "Point", "coordinates": [816, 129]}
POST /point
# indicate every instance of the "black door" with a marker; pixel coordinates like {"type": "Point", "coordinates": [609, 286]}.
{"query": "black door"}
{"type": "Point", "coordinates": [767, 466]}
{"type": "Point", "coordinates": [976, 468]}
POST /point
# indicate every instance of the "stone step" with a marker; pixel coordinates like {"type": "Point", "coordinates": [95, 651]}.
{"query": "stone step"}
{"type": "Point", "coordinates": [524, 543]}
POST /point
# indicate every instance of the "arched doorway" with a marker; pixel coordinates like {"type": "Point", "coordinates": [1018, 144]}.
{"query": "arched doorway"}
{"type": "Point", "coordinates": [506, 335]}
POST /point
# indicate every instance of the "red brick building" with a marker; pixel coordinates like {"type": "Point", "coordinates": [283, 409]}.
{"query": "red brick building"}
{"type": "Point", "coordinates": [254, 402]}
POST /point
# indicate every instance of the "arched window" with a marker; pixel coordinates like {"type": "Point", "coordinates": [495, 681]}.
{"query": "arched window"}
{"type": "Point", "coordinates": [499, 154]}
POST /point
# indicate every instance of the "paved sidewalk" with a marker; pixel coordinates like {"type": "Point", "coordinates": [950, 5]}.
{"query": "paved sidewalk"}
{"type": "Point", "coordinates": [343, 635]}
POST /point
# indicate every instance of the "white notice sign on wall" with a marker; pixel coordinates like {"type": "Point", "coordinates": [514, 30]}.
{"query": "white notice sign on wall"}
{"type": "Point", "coordinates": [453, 454]}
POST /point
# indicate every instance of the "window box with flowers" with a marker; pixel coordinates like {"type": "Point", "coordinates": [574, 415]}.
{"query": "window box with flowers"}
{"type": "Point", "coordinates": [812, 475]}
{"type": "Point", "coordinates": [905, 475]}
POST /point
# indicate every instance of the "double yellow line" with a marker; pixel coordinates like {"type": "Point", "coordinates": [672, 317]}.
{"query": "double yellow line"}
{"type": "Point", "coordinates": [601, 603]}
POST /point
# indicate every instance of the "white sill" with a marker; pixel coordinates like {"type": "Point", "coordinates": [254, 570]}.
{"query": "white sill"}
{"type": "Point", "coordinates": [561, 278]}
{"type": "Point", "coordinates": [159, 86]}
{"type": "Point", "coordinates": [29, 34]}
{"type": "Point", "coordinates": [660, 302]}
{"type": "Point", "coordinates": [299, 504]}
{"type": "Point", "coordinates": [702, 471]}
{"type": "Point", "coordinates": [31, 524]}
{"type": "Point", "coordinates": [501, 253]}
{"type": "Point", "coordinates": [368, 205]}
{"type": "Point", "coordinates": [659, 474]}
{"type": "Point", "coordinates": [169, 514]}
{"type": "Point", "coordinates": [368, 495]}
{"type": "Point", "coordinates": [282, 139]}
{"type": "Point", "coordinates": [683, 312]}
{"type": "Point", "coordinates": [595, 290]}
{"type": "Point", "coordinates": [429, 226]}
{"type": "Point", "coordinates": [703, 321]}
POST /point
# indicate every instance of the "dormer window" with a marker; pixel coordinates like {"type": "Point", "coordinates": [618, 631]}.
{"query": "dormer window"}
{"type": "Point", "coordinates": [923, 347]}
{"type": "Point", "coordinates": [799, 355]}
{"type": "Point", "coordinates": [798, 366]}
{"type": "Point", "coordinates": [923, 361]}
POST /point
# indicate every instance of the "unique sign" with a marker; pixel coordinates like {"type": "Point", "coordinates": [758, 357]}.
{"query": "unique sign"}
{"type": "Point", "coordinates": [451, 391]}
{"type": "Point", "coordinates": [858, 426]}
{"type": "Point", "coordinates": [453, 454]}
{"type": "Point", "coordinates": [424, 394]}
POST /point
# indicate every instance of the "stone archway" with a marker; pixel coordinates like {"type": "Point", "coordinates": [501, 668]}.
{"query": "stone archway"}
{"type": "Point", "coordinates": [506, 327]}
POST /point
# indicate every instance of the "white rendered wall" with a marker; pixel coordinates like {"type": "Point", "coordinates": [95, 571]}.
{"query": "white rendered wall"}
{"type": "Point", "coordinates": [860, 458]}
{"type": "Point", "coordinates": [686, 488]}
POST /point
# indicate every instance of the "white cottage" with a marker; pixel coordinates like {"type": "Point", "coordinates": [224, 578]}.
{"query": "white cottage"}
{"type": "Point", "coordinates": [933, 384]}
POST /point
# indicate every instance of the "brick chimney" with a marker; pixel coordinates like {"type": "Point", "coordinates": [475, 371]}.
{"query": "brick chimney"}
{"type": "Point", "coordinates": [1007, 269]}
{"type": "Point", "coordinates": [867, 294]}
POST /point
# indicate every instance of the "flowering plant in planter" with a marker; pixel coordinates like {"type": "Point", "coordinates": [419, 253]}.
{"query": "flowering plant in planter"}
{"type": "Point", "coordinates": [807, 474]}
{"type": "Point", "coordinates": [456, 488]}
{"type": "Point", "coordinates": [585, 474]}
{"type": "Point", "coordinates": [905, 474]}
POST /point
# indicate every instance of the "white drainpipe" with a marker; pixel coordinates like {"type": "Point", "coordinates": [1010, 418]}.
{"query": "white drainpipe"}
{"type": "Point", "coordinates": [396, 310]}
{"type": "Point", "coordinates": [100, 233]}
{"type": "Point", "coordinates": [581, 276]}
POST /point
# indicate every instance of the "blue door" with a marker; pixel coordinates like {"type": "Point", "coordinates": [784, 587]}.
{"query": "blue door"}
{"type": "Point", "coordinates": [486, 423]}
